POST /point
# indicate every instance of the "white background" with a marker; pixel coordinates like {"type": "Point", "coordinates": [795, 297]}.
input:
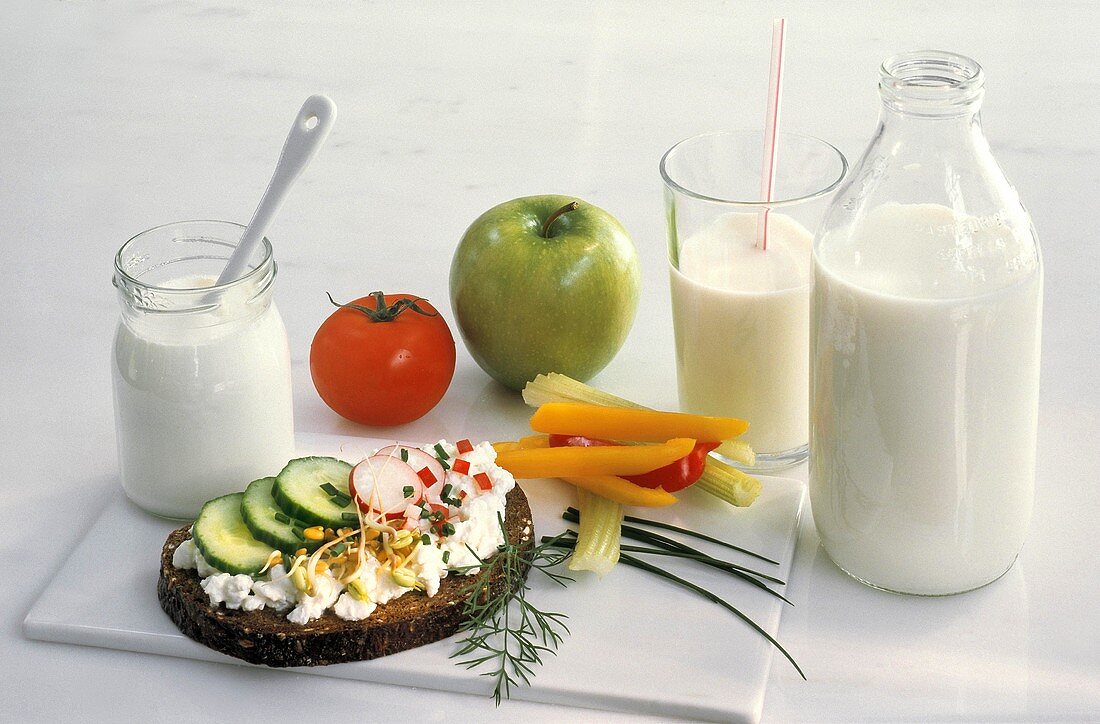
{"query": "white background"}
{"type": "Point", "coordinates": [118, 117]}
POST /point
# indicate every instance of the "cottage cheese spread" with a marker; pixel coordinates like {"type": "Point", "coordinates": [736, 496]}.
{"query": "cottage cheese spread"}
{"type": "Point", "coordinates": [476, 531]}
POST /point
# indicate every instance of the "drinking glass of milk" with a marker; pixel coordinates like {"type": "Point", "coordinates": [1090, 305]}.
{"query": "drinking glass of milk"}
{"type": "Point", "coordinates": [201, 371]}
{"type": "Point", "coordinates": [741, 311]}
{"type": "Point", "coordinates": [925, 345]}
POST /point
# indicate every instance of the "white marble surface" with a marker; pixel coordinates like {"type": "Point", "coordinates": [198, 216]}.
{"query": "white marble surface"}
{"type": "Point", "coordinates": [120, 116]}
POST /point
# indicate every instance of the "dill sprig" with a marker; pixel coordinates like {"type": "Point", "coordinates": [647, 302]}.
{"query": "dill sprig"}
{"type": "Point", "coordinates": [511, 639]}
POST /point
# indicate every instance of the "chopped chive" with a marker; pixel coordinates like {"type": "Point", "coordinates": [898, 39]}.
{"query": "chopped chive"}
{"type": "Point", "coordinates": [446, 491]}
{"type": "Point", "coordinates": [329, 488]}
{"type": "Point", "coordinates": [426, 539]}
{"type": "Point", "coordinates": [408, 491]}
{"type": "Point", "coordinates": [338, 549]}
{"type": "Point", "coordinates": [282, 517]}
{"type": "Point", "coordinates": [448, 529]}
{"type": "Point", "coordinates": [341, 500]}
{"type": "Point", "coordinates": [350, 517]}
{"type": "Point", "coordinates": [424, 514]}
{"type": "Point", "coordinates": [298, 533]}
{"type": "Point", "coordinates": [440, 452]}
{"type": "Point", "coordinates": [443, 462]}
{"type": "Point", "coordinates": [446, 556]}
{"type": "Point", "coordinates": [404, 455]}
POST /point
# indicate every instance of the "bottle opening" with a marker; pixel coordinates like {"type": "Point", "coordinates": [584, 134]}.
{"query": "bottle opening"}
{"type": "Point", "coordinates": [931, 83]}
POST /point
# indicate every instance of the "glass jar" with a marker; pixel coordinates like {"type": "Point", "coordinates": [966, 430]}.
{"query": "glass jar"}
{"type": "Point", "coordinates": [925, 346]}
{"type": "Point", "coordinates": [201, 373]}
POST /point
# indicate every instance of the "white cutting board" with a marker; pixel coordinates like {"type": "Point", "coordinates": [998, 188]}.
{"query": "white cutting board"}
{"type": "Point", "coordinates": [638, 644]}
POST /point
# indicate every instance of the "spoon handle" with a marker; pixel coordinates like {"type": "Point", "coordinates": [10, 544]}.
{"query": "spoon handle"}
{"type": "Point", "coordinates": [311, 127]}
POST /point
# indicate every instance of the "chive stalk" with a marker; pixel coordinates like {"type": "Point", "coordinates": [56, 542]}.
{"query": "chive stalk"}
{"type": "Point", "coordinates": [633, 562]}
{"type": "Point", "coordinates": [656, 539]}
{"type": "Point", "coordinates": [696, 534]}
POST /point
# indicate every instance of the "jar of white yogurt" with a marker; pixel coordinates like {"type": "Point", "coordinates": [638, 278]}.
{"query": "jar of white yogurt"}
{"type": "Point", "coordinates": [201, 372]}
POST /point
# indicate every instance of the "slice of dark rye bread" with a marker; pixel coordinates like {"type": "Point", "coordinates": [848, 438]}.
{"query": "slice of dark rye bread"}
{"type": "Point", "coordinates": [267, 637]}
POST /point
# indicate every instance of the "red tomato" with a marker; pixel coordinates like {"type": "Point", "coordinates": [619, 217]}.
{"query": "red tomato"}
{"type": "Point", "coordinates": [383, 359]}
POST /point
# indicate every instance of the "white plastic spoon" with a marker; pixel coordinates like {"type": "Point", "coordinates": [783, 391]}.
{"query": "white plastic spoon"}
{"type": "Point", "coordinates": [309, 131]}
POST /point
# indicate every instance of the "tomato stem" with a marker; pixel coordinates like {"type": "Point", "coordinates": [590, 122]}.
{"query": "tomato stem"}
{"type": "Point", "coordinates": [571, 206]}
{"type": "Point", "coordinates": [383, 312]}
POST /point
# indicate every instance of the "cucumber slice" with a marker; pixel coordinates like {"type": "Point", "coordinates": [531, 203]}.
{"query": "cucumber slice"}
{"type": "Point", "coordinates": [260, 511]}
{"type": "Point", "coordinates": [298, 492]}
{"type": "Point", "coordinates": [225, 541]}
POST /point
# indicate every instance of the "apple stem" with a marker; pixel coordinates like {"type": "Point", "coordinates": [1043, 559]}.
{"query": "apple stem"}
{"type": "Point", "coordinates": [571, 206]}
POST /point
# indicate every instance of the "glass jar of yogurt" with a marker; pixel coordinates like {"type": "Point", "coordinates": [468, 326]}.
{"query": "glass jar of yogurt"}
{"type": "Point", "coordinates": [201, 372]}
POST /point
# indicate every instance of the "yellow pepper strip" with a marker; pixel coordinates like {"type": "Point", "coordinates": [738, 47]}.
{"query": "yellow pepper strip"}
{"type": "Point", "coordinates": [613, 423]}
{"type": "Point", "coordinates": [623, 491]}
{"type": "Point", "coordinates": [566, 462]}
{"type": "Point", "coordinates": [530, 442]}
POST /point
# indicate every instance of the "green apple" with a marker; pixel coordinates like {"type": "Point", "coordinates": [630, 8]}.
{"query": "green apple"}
{"type": "Point", "coordinates": [544, 284]}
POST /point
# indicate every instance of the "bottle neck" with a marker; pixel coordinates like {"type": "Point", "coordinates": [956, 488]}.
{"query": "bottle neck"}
{"type": "Point", "coordinates": [931, 85]}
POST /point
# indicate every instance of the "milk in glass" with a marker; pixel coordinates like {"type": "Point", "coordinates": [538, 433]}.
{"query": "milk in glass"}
{"type": "Point", "coordinates": [741, 318]}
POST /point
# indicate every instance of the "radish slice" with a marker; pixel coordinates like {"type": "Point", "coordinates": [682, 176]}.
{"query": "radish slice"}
{"type": "Point", "coordinates": [378, 485]}
{"type": "Point", "coordinates": [418, 459]}
{"type": "Point", "coordinates": [433, 492]}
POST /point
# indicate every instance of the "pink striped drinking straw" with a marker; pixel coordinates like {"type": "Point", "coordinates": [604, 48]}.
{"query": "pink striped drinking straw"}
{"type": "Point", "coordinates": [771, 129]}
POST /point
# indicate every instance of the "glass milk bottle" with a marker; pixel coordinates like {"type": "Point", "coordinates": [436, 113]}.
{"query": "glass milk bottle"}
{"type": "Point", "coordinates": [201, 373]}
{"type": "Point", "coordinates": [925, 327]}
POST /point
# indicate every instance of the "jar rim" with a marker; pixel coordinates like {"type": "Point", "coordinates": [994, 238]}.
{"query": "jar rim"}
{"type": "Point", "coordinates": [268, 256]}
{"type": "Point", "coordinates": [671, 183]}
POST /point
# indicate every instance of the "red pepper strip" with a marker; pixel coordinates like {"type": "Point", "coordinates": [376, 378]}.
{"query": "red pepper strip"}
{"type": "Point", "coordinates": [675, 476]}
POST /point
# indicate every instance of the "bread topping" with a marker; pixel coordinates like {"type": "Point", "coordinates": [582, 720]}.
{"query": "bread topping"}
{"type": "Point", "coordinates": [457, 523]}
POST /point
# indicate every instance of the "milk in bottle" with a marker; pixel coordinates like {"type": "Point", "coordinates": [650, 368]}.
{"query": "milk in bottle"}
{"type": "Point", "coordinates": [925, 328]}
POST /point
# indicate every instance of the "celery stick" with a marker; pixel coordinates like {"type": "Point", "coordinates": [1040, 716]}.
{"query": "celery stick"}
{"type": "Point", "coordinates": [556, 387]}
{"type": "Point", "coordinates": [728, 483]}
{"type": "Point", "coordinates": [718, 479]}
{"type": "Point", "coordinates": [600, 529]}
{"type": "Point", "coordinates": [738, 451]}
